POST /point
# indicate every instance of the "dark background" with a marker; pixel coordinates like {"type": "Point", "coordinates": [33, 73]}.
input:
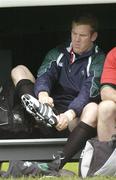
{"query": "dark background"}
{"type": "Point", "coordinates": [27, 33]}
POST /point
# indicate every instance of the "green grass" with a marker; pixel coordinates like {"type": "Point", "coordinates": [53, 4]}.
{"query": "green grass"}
{"type": "Point", "coordinates": [70, 166]}
{"type": "Point", "coordinates": [61, 178]}
{"type": "Point", "coordinates": [4, 166]}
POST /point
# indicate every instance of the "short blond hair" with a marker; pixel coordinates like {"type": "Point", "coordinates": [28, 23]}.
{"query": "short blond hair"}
{"type": "Point", "coordinates": [87, 20]}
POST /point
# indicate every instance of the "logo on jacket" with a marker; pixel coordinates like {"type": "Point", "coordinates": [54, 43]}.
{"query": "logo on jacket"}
{"type": "Point", "coordinates": [60, 64]}
{"type": "Point", "coordinates": [82, 72]}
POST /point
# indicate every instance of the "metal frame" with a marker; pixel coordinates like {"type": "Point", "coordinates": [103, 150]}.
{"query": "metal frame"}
{"type": "Point", "coordinates": [31, 149]}
{"type": "Point", "coordinates": [22, 3]}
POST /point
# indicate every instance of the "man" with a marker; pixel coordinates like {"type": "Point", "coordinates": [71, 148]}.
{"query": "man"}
{"type": "Point", "coordinates": [68, 81]}
{"type": "Point", "coordinates": [107, 108]}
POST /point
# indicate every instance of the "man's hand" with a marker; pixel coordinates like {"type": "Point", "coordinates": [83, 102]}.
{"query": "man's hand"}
{"type": "Point", "coordinates": [45, 98]}
{"type": "Point", "coordinates": [62, 122]}
{"type": "Point", "coordinates": [65, 119]}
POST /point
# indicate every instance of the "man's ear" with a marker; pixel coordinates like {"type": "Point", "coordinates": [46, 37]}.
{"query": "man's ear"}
{"type": "Point", "coordinates": [94, 36]}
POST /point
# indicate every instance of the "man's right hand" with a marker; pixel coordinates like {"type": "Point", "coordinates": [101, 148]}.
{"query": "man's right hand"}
{"type": "Point", "coordinates": [62, 122]}
{"type": "Point", "coordinates": [45, 98]}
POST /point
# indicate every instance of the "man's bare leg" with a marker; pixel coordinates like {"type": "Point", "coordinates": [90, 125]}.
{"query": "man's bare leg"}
{"type": "Point", "coordinates": [84, 130]}
{"type": "Point", "coordinates": [21, 72]}
{"type": "Point", "coordinates": [89, 114]}
{"type": "Point", "coordinates": [106, 120]}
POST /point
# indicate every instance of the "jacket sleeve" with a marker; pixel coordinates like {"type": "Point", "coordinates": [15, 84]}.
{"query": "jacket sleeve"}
{"type": "Point", "coordinates": [90, 90]}
{"type": "Point", "coordinates": [47, 73]}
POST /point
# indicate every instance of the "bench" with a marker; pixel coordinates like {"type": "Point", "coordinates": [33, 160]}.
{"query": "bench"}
{"type": "Point", "coordinates": [31, 149]}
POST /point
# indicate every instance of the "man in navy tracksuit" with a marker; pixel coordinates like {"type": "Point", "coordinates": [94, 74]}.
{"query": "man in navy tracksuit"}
{"type": "Point", "coordinates": [69, 81]}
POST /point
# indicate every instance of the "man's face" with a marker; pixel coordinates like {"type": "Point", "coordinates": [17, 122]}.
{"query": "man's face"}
{"type": "Point", "coordinates": [82, 38]}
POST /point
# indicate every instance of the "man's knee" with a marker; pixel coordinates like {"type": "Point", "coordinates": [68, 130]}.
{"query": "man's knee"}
{"type": "Point", "coordinates": [21, 72]}
{"type": "Point", "coordinates": [89, 114]}
{"type": "Point", "coordinates": [17, 69]}
{"type": "Point", "coordinates": [91, 108]}
{"type": "Point", "coordinates": [107, 109]}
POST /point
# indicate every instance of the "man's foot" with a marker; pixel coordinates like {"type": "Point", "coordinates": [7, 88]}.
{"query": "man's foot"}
{"type": "Point", "coordinates": [41, 112]}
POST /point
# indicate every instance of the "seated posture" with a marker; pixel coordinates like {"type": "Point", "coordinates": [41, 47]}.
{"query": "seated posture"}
{"type": "Point", "coordinates": [107, 108]}
{"type": "Point", "coordinates": [69, 81]}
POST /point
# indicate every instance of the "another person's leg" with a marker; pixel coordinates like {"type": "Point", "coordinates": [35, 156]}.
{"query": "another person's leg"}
{"type": "Point", "coordinates": [24, 84]}
{"type": "Point", "coordinates": [85, 130]}
{"type": "Point", "coordinates": [106, 120]}
{"type": "Point", "coordinates": [21, 72]}
{"type": "Point", "coordinates": [23, 80]}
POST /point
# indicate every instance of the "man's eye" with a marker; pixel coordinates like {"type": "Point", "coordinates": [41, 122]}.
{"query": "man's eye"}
{"type": "Point", "coordinates": [83, 35]}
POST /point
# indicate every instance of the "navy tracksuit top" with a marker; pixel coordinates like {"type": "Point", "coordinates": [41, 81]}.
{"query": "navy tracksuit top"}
{"type": "Point", "coordinates": [70, 84]}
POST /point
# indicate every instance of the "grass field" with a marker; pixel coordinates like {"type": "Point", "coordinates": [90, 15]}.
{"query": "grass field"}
{"type": "Point", "coordinates": [70, 166]}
